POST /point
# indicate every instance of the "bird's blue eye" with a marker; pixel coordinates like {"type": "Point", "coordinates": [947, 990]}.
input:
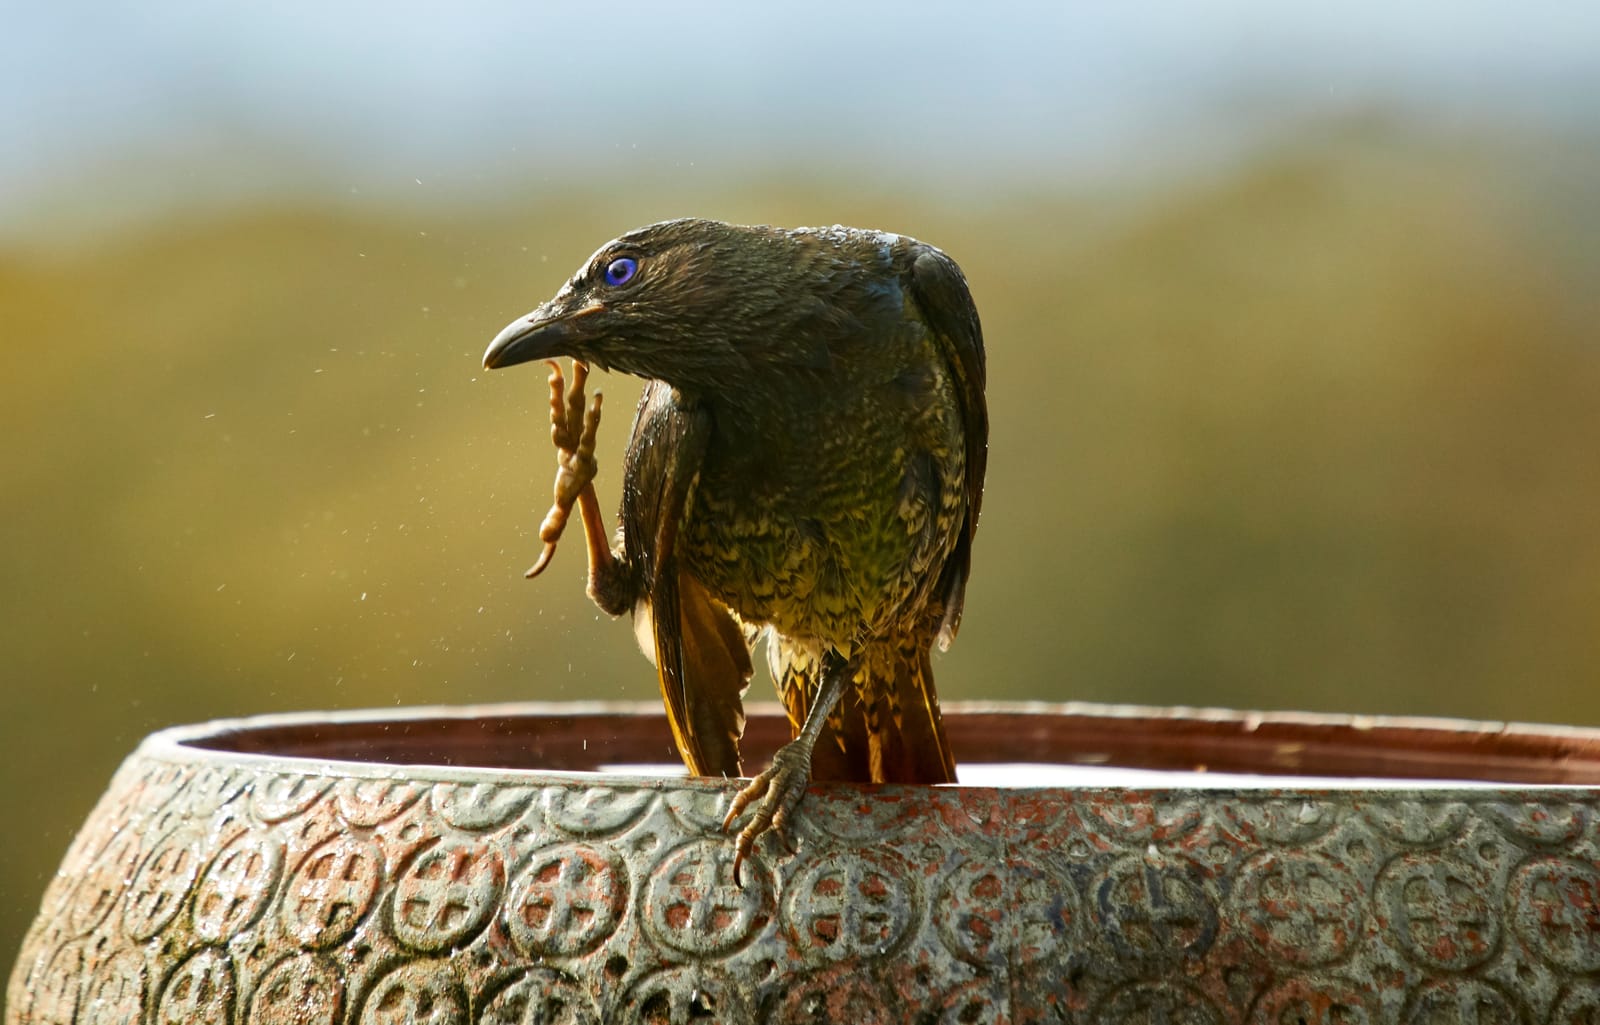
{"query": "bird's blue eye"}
{"type": "Point", "coordinates": [621, 270]}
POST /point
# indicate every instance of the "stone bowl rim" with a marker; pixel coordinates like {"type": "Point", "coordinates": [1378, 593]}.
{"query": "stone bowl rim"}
{"type": "Point", "coordinates": [207, 743]}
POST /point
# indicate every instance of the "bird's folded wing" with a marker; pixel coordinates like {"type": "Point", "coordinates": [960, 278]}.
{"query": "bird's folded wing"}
{"type": "Point", "coordinates": [702, 660]}
{"type": "Point", "coordinates": [704, 668]}
{"type": "Point", "coordinates": [940, 292]}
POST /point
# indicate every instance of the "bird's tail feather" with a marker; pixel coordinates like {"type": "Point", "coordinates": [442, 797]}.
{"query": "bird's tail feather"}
{"type": "Point", "coordinates": [704, 668]}
{"type": "Point", "coordinates": [886, 729]}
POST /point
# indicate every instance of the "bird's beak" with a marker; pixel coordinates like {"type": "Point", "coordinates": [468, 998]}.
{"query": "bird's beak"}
{"type": "Point", "coordinates": [544, 333]}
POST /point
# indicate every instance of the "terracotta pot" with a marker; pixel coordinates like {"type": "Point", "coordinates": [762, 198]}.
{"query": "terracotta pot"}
{"type": "Point", "coordinates": [516, 864]}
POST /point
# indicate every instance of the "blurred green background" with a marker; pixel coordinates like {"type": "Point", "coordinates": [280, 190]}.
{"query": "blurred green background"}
{"type": "Point", "coordinates": [1291, 316]}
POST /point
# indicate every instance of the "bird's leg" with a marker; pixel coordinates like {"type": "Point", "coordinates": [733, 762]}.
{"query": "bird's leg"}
{"type": "Point", "coordinates": [573, 428]}
{"type": "Point", "coordinates": [777, 790]}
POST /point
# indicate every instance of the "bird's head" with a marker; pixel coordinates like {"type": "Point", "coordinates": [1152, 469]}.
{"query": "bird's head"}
{"type": "Point", "coordinates": [694, 303]}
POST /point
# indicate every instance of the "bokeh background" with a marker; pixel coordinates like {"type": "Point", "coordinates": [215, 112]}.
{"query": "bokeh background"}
{"type": "Point", "coordinates": [1291, 314]}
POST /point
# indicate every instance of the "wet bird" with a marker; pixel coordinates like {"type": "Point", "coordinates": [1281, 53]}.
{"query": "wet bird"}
{"type": "Point", "coordinates": [807, 459]}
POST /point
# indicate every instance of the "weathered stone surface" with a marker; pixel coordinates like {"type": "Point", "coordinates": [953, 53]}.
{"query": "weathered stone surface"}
{"type": "Point", "coordinates": [227, 887]}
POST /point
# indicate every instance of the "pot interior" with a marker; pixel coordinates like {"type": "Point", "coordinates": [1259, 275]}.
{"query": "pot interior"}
{"type": "Point", "coordinates": [996, 745]}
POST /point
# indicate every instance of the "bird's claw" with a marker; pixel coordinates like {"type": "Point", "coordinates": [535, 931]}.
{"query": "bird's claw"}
{"type": "Point", "coordinates": [774, 793]}
{"type": "Point", "coordinates": [573, 427]}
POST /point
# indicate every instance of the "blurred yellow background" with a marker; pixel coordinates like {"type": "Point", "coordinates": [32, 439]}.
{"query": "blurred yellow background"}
{"type": "Point", "coordinates": [1294, 365]}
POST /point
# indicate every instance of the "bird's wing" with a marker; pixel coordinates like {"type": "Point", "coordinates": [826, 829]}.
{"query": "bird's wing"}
{"type": "Point", "coordinates": [940, 291]}
{"type": "Point", "coordinates": [702, 661]}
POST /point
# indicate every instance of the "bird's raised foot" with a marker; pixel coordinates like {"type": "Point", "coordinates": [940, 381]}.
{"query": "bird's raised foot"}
{"type": "Point", "coordinates": [774, 794]}
{"type": "Point", "coordinates": [573, 428]}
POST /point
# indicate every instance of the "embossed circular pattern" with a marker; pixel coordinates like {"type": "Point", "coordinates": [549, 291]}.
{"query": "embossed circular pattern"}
{"type": "Point", "coordinates": [331, 891]}
{"type": "Point", "coordinates": [298, 990]}
{"type": "Point", "coordinates": [1556, 912]}
{"type": "Point", "coordinates": [446, 895]}
{"type": "Point", "coordinates": [1299, 909]}
{"type": "Point", "coordinates": [1156, 911]}
{"type": "Point", "coordinates": [236, 886]}
{"type": "Point", "coordinates": [852, 905]}
{"type": "Point", "coordinates": [1440, 911]}
{"type": "Point", "coordinates": [204, 893]}
{"type": "Point", "coordinates": [567, 900]}
{"type": "Point", "coordinates": [200, 991]}
{"type": "Point", "coordinates": [694, 907]}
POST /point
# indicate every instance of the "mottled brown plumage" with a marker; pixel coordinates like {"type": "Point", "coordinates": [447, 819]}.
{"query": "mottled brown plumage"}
{"type": "Point", "coordinates": [807, 458]}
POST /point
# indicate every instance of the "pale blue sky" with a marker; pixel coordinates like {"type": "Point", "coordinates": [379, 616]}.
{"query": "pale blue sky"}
{"type": "Point", "coordinates": [370, 98]}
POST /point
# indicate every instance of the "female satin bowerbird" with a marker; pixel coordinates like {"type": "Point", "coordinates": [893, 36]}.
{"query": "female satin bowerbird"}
{"type": "Point", "coordinates": [807, 460]}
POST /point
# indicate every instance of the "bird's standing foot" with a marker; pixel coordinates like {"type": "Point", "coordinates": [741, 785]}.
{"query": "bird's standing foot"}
{"type": "Point", "coordinates": [572, 428]}
{"type": "Point", "coordinates": [774, 793]}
